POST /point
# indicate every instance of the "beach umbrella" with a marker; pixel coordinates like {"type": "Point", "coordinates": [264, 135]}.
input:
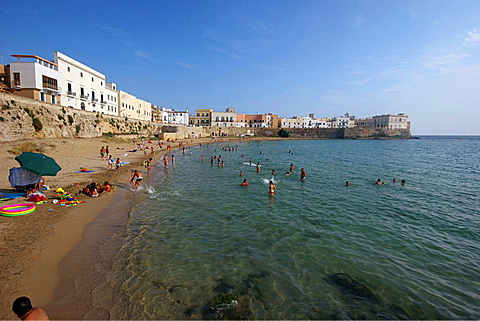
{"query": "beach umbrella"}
{"type": "Point", "coordinates": [38, 163]}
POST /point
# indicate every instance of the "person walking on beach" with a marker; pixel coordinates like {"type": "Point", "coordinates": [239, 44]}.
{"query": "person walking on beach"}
{"type": "Point", "coordinates": [111, 162]}
{"type": "Point", "coordinates": [117, 164]}
{"type": "Point", "coordinates": [303, 174]}
{"type": "Point", "coordinates": [22, 308]}
{"type": "Point", "coordinates": [102, 152]}
{"type": "Point", "coordinates": [107, 151]}
{"type": "Point", "coordinates": [137, 179]}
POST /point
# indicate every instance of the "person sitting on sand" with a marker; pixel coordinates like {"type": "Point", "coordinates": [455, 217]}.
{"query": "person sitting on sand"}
{"type": "Point", "coordinates": [107, 187]}
{"type": "Point", "coordinates": [22, 308]}
{"type": "Point", "coordinates": [244, 183]}
{"type": "Point", "coordinates": [271, 188]}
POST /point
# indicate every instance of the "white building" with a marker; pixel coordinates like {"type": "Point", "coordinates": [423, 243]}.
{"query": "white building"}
{"type": "Point", "coordinates": [85, 88]}
{"type": "Point", "coordinates": [345, 121]}
{"type": "Point", "coordinates": [321, 123]}
{"type": "Point", "coordinates": [399, 121]}
{"type": "Point", "coordinates": [294, 122]}
{"type": "Point", "coordinates": [111, 99]}
{"type": "Point", "coordinates": [34, 77]}
{"type": "Point", "coordinates": [177, 117]}
{"type": "Point", "coordinates": [226, 118]}
{"type": "Point", "coordinates": [127, 105]}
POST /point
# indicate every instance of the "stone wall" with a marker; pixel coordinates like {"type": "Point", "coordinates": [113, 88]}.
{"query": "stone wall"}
{"type": "Point", "coordinates": [24, 118]}
{"type": "Point", "coordinates": [338, 133]}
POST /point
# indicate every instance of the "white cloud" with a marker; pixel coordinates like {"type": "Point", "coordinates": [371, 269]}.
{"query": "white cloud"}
{"type": "Point", "coordinates": [361, 81]}
{"type": "Point", "coordinates": [473, 39]}
{"type": "Point", "coordinates": [444, 62]}
{"type": "Point", "coordinates": [143, 54]}
{"type": "Point", "coordinates": [188, 66]}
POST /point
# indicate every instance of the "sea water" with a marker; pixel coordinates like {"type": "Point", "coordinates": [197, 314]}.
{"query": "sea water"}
{"type": "Point", "coordinates": [194, 234]}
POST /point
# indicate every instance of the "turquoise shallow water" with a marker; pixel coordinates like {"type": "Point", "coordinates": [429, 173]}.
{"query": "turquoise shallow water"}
{"type": "Point", "coordinates": [195, 234]}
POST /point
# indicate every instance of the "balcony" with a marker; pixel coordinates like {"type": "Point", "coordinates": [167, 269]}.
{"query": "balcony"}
{"type": "Point", "coordinates": [83, 97]}
{"type": "Point", "coordinates": [71, 94]}
{"type": "Point", "coordinates": [103, 102]}
{"type": "Point", "coordinates": [46, 85]}
{"type": "Point", "coordinates": [94, 100]}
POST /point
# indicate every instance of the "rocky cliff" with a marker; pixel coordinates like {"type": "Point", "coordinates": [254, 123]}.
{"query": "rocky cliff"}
{"type": "Point", "coordinates": [23, 118]}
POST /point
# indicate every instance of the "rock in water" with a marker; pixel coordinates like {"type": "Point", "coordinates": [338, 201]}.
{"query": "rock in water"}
{"type": "Point", "coordinates": [227, 307]}
{"type": "Point", "coordinates": [352, 286]}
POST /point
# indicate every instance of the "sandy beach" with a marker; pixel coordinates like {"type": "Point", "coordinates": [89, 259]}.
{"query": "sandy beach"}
{"type": "Point", "coordinates": [32, 246]}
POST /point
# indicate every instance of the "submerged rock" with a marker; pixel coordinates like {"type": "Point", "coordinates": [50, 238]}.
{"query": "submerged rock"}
{"type": "Point", "coordinates": [351, 286]}
{"type": "Point", "coordinates": [227, 307]}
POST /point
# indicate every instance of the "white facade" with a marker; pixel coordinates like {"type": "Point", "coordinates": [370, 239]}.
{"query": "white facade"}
{"type": "Point", "coordinates": [37, 78]}
{"type": "Point", "coordinates": [127, 105]}
{"type": "Point", "coordinates": [399, 121]}
{"type": "Point", "coordinates": [295, 122]}
{"type": "Point", "coordinates": [111, 100]}
{"type": "Point", "coordinates": [321, 123]}
{"type": "Point", "coordinates": [84, 87]}
{"type": "Point", "coordinates": [224, 119]}
{"type": "Point", "coordinates": [177, 117]}
{"type": "Point", "coordinates": [345, 121]}
{"type": "Point", "coordinates": [143, 110]}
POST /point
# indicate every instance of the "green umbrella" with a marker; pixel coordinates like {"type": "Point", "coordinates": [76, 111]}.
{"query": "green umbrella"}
{"type": "Point", "coordinates": [38, 163]}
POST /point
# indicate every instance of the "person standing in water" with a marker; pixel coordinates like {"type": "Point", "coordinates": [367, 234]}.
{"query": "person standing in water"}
{"type": "Point", "coordinates": [271, 188]}
{"type": "Point", "coordinates": [137, 178]}
{"type": "Point", "coordinates": [291, 168]}
{"type": "Point", "coordinates": [303, 174]}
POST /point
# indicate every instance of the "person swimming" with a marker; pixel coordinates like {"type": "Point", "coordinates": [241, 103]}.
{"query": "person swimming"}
{"type": "Point", "coordinates": [347, 183]}
{"type": "Point", "coordinates": [244, 183]}
{"type": "Point", "coordinates": [379, 182]}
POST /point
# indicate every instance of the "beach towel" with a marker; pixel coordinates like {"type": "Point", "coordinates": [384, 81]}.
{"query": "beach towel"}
{"type": "Point", "coordinates": [13, 195]}
{"type": "Point", "coordinates": [83, 171]}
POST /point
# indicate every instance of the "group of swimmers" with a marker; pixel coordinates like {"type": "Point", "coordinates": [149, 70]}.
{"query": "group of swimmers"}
{"type": "Point", "coordinates": [379, 182]}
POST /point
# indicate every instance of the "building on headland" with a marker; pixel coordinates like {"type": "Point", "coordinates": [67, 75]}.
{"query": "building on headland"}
{"type": "Point", "coordinates": [389, 121]}
{"type": "Point", "coordinates": [34, 77]}
{"type": "Point", "coordinates": [345, 121]}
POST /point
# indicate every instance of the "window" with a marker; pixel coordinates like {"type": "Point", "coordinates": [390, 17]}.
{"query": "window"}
{"type": "Point", "coordinates": [68, 69]}
{"type": "Point", "coordinates": [42, 96]}
{"type": "Point", "coordinates": [53, 99]}
{"type": "Point", "coordinates": [16, 79]}
{"type": "Point", "coordinates": [69, 88]}
{"type": "Point", "coordinates": [82, 92]}
{"type": "Point", "coordinates": [81, 74]}
{"type": "Point", "coordinates": [92, 79]}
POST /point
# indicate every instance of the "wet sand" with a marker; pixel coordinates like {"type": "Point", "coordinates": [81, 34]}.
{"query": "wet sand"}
{"type": "Point", "coordinates": [60, 257]}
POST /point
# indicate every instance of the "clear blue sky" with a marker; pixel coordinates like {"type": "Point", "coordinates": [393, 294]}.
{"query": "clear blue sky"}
{"type": "Point", "coordinates": [285, 57]}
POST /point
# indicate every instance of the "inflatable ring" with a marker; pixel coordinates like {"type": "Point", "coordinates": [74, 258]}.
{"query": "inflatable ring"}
{"type": "Point", "coordinates": [17, 209]}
